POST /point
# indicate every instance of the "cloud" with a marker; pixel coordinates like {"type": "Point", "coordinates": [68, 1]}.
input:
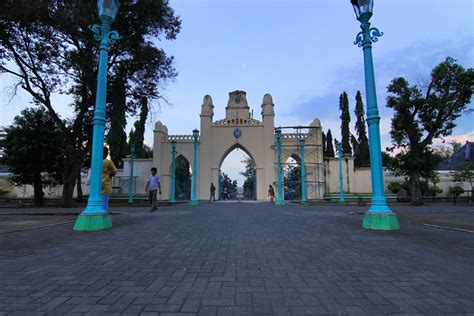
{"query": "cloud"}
{"type": "Point", "coordinates": [461, 138]}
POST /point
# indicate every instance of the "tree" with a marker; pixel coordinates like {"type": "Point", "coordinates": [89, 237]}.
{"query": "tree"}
{"type": "Point", "coordinates": [228, 184]}
{"type": "Point", "coordinates": [250, 176]}
{"type": "Point", "coordinates": [137, 133]}
{"type": "Point", "coordinates": [32, 151]}
{"type": "Point", "coordinates": [456, 146]}
{"type": "Point", "coordinates": [183, 179]}
{"type": "Point", "coordinates": [292, 179]}
{"type": "Point", "coordinates": [345, 120]}
{"type": "Point", "coordinates": [465, 173]}
{"type": "Point", "coordinates": [355, 148]}
{"type": "Point", "coordinates": [324, 144]}
{"type": "Point", "coordinates": [421, 116]}
{"type": "Point", "coordinates": [50, 50]}
{"type": "Point", "coordinates": [329, 145]}
{"type": "Point", "coordinates": [361, 151]}
{"type": "Point", "coordinates": [116, 137]}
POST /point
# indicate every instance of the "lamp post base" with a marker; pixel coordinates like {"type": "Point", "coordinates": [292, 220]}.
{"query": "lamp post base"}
{"type": "Point", "coordinates": [93, 222]}
{"type": "Point", "coordinates": [194, 203]}
{"type": "Point", "coordinates": [304, 202]}
{"type": "Point", "coordinates": [381, 221]}
{"type": "Point", "coordinates": [280, 202]}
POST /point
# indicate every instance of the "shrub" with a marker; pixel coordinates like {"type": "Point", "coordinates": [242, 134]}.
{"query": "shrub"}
{"type": "Point", "coordinates": [434, 190]}
{"type": "Point", "coordinates": [456, 190]}
{"type": "Point", "coordinates": [394, 187]}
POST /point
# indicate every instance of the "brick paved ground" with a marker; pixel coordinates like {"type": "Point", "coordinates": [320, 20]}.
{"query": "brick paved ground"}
{"type": "Point", "coordinates": [237, 259]}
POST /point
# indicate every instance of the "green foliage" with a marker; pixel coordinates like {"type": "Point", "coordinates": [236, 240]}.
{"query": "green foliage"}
{"type": "Point", "coordinates": [136, 135]}
{"type": "Point", "coordinates": [424, 187]}
{"type": "Point", "coordinates": [183, 179]}
{"type": "Point", "coordinates": [116, 137]}
{"type": "Point", "coordinates": [228, 184]}
{"type": "Point", "coordinates": [421, 116]}
{"type": "Point", "coordinates": [456, 190]}
{"type": "Point", "coordinates": [394, 187]}
{"type": "Point", "coordinates": [250, 177]}
{"type": "Point", "coordinates": [324, 144]}
{"type": "Point", "coordinates": [361, 150]}
{"type": "Point", "coordinates": [433, 190]}
{"type": "Point", "coordinates": [48, 47]}
{"type": "Point", "coordinates": [345, 120]}
{"type": "Point", "coordinates": [386, 159]}
{"type": "Point", "coordinates": [329, 145]}
{"type": "Point", "coordinates": [292, 180]}
{"type": "Point", "coordinates": [465, 173]}
{"type": "Point", "coordinates": [32, 149]}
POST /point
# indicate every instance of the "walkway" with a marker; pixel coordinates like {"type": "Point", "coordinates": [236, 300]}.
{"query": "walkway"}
{"type": "Point", "coordinates": [237, 259]}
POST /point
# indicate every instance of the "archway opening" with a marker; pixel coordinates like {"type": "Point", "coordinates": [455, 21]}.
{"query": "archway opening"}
{"type": "Point", "coordinates": [292, 178]}
{"type": "Point", "coordinates": [238, 176]}
{"type": "Point", "coordinates": [183, 179]}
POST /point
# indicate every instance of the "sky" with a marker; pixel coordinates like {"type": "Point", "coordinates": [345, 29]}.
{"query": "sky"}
{"type": "Point", "coordinates": [302, 53]}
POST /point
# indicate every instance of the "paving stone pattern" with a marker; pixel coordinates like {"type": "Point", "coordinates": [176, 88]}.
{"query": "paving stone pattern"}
{"type": "Point", "coordinates": [237, 259]}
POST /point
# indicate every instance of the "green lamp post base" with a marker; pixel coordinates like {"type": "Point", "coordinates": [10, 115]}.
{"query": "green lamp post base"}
{"type": "Point", "coordinates": [304, 203]}
{"type": "Point", "coordinates": [194, 203]}
{"type": "Point", "coordinates": [381, 221]}
{"type": "Point", "coordinates": [280, 202]}
{"type": "Point", "coordinates": [93, 222]}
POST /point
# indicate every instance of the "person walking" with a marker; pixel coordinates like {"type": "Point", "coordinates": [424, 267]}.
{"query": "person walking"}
{"type": "Point", "coordinates": [153, 187]}
{"type": "Point", "coordinates": [212, 189]}
{"type": "Point", "coordinates": [271, 193]}
{"type": "Point", "coordinates": [108, 171]}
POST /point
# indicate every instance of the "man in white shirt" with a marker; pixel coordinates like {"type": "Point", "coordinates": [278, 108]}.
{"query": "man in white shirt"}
{"type": "Point", "coordinates": [152, 188]}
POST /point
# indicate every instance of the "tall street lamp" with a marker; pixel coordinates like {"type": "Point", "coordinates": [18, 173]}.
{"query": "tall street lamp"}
{"type": "Point", "coordinates": [341, 183]}
{"type": "Point", "coordinates": [379, 215]}
{"type": "Point", "coordinates": [94, 217]}
{"type": "Point", "coordinates": [194, 200]}
{"type": "Point", "coordinates": [304, 198]}
{"type": "Point", "coordinates": [131, 189]}
{"type": "Point", "coordinates": [279, 200]}
{"type": "Point", "coordinates": [173, 172]}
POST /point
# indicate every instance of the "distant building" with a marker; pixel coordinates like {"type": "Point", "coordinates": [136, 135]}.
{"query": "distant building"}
{"type": "Point", "coordinates": [464, 154]}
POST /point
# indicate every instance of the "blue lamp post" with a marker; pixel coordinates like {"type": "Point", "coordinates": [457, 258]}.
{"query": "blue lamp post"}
{"type": "Point", "coordinates": [341, 183]}
{"type": "Point", "coordinates": [173, 172]}
{"type": "Point", "coordinates": [304, 198]}
{"type": "Point", "coordinates": [379, 215]}
{"type": "Point", "coordinates": [194, 200]}
{"type": "Point", "coordinates": [131, 189]}
{"type": "Point", "coordinates": [94, 217]}
{"type": "Point", "coordinates": [279, 200]}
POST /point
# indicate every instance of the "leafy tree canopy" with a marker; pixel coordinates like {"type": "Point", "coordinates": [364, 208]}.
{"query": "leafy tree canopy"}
{"type": "Point", "coordinates": [423, 114]}
{"type": "Point", "coordinates": [32, 150]}
{"type": "Point", "coordinates": [48, 47]}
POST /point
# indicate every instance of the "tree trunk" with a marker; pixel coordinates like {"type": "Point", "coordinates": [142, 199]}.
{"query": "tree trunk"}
{"type": "Point", "coordinates": [79, 186]}
{"type": "Point", "coordinates": [38, 194]}
{"type": "Point", "coordinates": [69, 179]}
{"type": "Point", "coordinates": [416, 198]}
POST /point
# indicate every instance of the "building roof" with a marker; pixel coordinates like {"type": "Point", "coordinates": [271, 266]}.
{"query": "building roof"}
{"type": "Point", "coordinates": [464, 154]}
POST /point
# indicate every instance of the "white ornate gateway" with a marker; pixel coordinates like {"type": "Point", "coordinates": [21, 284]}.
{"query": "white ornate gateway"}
{"type": "Point", "coordinates": [240, 130]}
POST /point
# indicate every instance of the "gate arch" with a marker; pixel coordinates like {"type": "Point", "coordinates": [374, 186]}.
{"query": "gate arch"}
{"type": "Point", "coordinates": [238, 129]}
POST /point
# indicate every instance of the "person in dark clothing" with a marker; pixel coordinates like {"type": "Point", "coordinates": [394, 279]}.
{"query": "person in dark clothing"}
{"type": "Point", "coordinates": [271, 193]}
{"type": "Point", "coordinates": [213, 193]}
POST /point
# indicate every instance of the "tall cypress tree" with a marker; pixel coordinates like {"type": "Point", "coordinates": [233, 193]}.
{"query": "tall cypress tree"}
{"type": "Point", "coordinates": [136, 135]}
{"type": "Point", "coordinates": [324, 145]}
{"type": "Point", "coordinates": [355, 148]}
{"type": "Point", "coordinates": [116, 137]}
{"type": "Point", "coordinates": [329, 145]}
{"type": "Point", "coordinates": [345, 120]}
{"type": "Point", "coordinates": [362, 155]}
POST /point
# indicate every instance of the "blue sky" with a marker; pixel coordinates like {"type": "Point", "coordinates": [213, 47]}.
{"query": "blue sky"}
{"type": "Point", "coordinates": [302, 53]}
